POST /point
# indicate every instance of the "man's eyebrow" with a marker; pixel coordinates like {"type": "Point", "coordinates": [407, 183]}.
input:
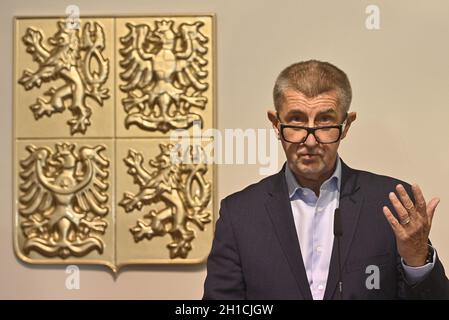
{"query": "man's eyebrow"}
{"type": "Point", "coordinates": [330, 110]}
{"type": "Point", "coordinates": [298, 111]}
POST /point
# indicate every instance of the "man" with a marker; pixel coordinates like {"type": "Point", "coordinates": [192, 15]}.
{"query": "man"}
{"type": "Point", "coordinates": [275, 239]}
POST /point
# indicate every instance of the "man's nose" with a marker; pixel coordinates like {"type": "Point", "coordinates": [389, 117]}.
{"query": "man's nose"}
{"type": "Point", "coordinates": [311, 141]}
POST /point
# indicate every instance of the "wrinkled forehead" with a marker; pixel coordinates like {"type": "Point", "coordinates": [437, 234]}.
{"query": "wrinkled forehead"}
{"type": "Point", "coordinates": [296, 102]}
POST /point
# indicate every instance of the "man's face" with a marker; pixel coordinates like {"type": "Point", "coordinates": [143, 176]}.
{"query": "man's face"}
{"type": "Point", "coordinates": [311, 160]}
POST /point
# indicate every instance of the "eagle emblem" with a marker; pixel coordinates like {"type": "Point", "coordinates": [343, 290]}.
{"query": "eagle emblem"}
{"type": "Point", "coordinates": [78, 62]}
{"type": "Point", "coordinates": [179, 183]}
{"type": "Point", "coordinates": [63, 200]}
{"type": "Point", "coordinates": [110, 166]}
{"type": "Point", "coordinates": [164, 75]}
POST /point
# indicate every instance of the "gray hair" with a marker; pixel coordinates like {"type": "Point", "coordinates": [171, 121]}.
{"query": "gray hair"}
{"type": "Point", "coordinates": [313, 78]}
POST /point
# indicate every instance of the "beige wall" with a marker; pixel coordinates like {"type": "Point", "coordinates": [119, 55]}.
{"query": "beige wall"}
{"type": "Point", "coordinates": [400, 78]}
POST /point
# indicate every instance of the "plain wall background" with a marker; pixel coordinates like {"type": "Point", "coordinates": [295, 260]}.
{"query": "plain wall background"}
{"type": "Point", "coordinates": [400, 80]}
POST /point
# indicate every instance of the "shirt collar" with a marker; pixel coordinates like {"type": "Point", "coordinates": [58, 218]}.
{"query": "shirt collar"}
{"type": "Point", "coordinates": [293, 184]}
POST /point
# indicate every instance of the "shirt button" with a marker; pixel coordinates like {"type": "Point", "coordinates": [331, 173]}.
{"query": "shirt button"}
{"type": "Point", "coordinates": [319, 249]}
{"type": "Point", "coordinates": [320, 287]}
{"type": "Point", "coordinates": [319, 209]}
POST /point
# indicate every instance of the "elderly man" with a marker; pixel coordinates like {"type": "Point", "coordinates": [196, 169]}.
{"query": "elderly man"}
{"type": "Point", "coordinates": [276, 238]}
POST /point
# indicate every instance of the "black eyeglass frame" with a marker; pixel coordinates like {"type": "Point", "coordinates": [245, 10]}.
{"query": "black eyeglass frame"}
{"type": "Point", "coordinates": [312, 130]}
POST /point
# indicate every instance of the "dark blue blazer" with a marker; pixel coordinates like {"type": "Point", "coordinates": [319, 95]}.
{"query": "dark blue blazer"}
{"type": "Point", "coordinates": [256, 253]}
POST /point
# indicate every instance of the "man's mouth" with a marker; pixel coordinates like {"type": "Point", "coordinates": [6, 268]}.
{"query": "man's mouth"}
{"type": "Point", "coordinates": [309, 156]}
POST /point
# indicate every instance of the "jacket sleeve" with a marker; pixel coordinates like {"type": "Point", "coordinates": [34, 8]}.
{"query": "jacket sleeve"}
{"type": "Point", "coordinates": [434, 286]}
{"type": "Point", "coordinates": [224, 278]}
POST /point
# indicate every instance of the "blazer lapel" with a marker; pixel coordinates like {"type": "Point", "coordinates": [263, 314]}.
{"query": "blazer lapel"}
{"type": "Point", "coordinates": [280, 213]}
{"type": "Point", "coordinates": [351, 200]}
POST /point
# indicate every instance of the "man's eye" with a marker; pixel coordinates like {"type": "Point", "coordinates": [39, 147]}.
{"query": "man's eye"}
{"type": "Point", "coordinates": [296, 119]}
{"type": "Point", "coordinates": [326, 119]}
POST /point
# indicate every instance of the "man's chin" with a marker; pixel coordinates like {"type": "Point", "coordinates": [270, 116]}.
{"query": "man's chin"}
{"type": "Point", "coordinates": [309, 170]}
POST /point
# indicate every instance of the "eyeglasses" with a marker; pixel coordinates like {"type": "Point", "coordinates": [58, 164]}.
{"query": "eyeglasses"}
{"type": "Point", "coordinates": [323, 134]}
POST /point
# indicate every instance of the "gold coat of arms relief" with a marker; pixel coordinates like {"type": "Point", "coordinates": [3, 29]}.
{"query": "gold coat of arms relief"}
{"type": "Point", "coordinates": [96, 180]}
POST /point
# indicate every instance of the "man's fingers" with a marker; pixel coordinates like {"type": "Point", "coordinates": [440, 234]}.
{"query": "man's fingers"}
{"type": "Point", "coordinates": [420, 202]}
{"type": "Point", "coordinates": [402, 212]}
{"type": "Point", "coordinates": [394, 223]}
{"type": "Point", "coordinates": [405, 199]}
{"type": "Point", "coordinates": [431, 206]}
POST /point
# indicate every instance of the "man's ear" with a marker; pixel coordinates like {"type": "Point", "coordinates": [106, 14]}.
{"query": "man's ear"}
{"type": "Point", "coordinates": [272, 116]}
{"type": "Point", "coordinates": [349, 120]}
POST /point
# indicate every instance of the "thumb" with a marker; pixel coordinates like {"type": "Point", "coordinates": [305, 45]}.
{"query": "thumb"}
{"type": "Point", "coordinates": [431, 206]}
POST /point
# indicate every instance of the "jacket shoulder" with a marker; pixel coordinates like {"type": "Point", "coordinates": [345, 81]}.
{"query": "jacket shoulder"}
{"type": "Point", "coordinates": [379, 181]}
